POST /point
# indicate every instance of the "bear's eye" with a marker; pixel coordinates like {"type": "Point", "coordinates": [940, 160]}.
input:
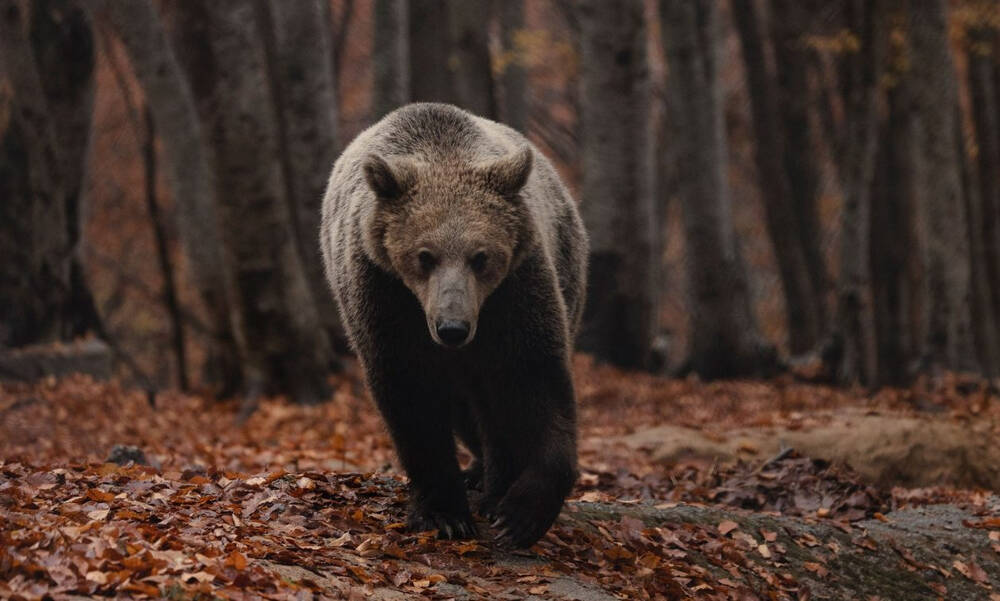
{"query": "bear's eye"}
{"type": "Point", "coordinates": [478, 262]}
{"type": "Point", "coordinates": [427, 260]}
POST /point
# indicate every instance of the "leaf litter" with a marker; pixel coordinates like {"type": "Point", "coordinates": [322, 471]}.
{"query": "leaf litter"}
{"type": "Point", "coordinates": [227, 510]}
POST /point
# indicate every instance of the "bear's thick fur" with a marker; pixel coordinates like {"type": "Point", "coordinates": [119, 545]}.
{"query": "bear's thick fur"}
{"type": "Point", "coordinates": [458, 260]}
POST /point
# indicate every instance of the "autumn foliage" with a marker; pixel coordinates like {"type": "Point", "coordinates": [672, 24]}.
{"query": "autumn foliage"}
{"type": "Point", "coordinates": [303, 501]}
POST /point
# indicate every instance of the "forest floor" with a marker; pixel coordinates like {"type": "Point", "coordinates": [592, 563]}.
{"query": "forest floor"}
{"type": "Point", "coordinates": [732, 490]}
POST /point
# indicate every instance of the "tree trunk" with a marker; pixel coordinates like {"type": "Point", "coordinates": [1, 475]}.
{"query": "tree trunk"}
{"type": "Point", "coordinates": [942, 219]}
{"type": "Point", "coordinates": [791, 26]}
{"type": "Point", "coordinates": [170, 300]}
{"type": "Point", "coordinates": [286, 348]}
{"type": "Point", "coordinates": [44, 143]}
{"type": "Point", "coordinates": [430, 81]}
{"type": "Point", "coordinates": [724, 338]}
{"type": "Point", "coordinates": [513, 77]}
{"type": "Point", "coordinates": [983, 81]}
{"type": "Point", "coordinates": [469, 57]}
{"type": "Point", "coordinates": [984, 334]}
{"type": "Point", "coordinates": [616, 197]}
{"type": "Point", "coordinates": [306, 101]}
{"type": "Point", "coordinates": [192, 181]}
{"type": "Point", "coordinates": [855, 317]}
{"type": "Point", "coordinates": [803, 303]}
{"type": "Point", "coordinates": [390, 55]}
{"type": "Point", "coordinates": [894, 291]}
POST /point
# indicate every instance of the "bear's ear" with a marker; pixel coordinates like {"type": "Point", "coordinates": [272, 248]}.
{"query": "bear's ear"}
{"type": "Point", "coordinates": [508, 174]}
{"type": "Point", "coordinates": [389, 181]}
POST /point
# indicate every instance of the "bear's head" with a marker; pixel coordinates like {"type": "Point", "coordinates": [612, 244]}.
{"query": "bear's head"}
{"type": "Point", "coordinates": [451, 231]}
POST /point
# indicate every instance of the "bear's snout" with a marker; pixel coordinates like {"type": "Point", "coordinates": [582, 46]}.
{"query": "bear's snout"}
{"type": "Point", "coordinates": [452, 332]}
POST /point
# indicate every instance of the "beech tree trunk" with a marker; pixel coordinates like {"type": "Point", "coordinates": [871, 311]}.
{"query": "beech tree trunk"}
{"type": "Point", "coordinates": [390, 56]}
{"type": "Point", "coordinates": [983, 81]}
{"type": "Point", "coordinates": [513, 77]}
{"type": "Point", "coordinates": [44, 143]}
{"type": "Point", "coordinates": [304, 90]}
{"type": "Point", "coordinates": [724, 337]}
{"type": "Point", "coordinates": [803, 301]}
{"type": "Point", "coordinates": [286, 348]}
{"type": "Point", "coordinates": [942, 220]}
{"type": "Point", "coordinates": [855, 327]}
{"type": "Point", "coordinates": [162, 243]}
{"type": "Point", "coordinates": [191, 178]}
{"type": "Point", "coordinates": [616, 192]}
{"type": "Point", "coordinates": [984, 334]}
{"type": "Point", "coordinates": [428, 24]}
{"type": "Point", "coordinates": [896, 289]}
{"type": "Point", "coordinates": [791, 25]}
{"type": "Point", "coordinates": [469, 57]}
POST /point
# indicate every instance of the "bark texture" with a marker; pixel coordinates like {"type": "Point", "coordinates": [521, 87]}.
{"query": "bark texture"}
{"type": "Point", "coordinates": [44, 141]}
{"type": "Point", "coordinates": [286, 348]}
{"type": "Point", "coordinates": [855, 317]}
{"type": "Point", "coordinates": [390, 56]}
{"type": "Point", "coordinates": [301, 73]}
{"type": "Point", "coordinates": [190, 175]}
{"type": "Point", "coordinates": [791, 24]}
{"type": "Point", "coordinates": [514, 76]}
{"type": "Point", "coordinates": [983, 63]}
{"type": "Point", "coordinates": [724, 338]}
{"type": "Point", "coordinates": [616, 192]}
{"type": "Point", "coordinates": [163, 258]}
{"type": "Point", "coordinates": [803, 298]}
{"type": "Point", "coordinates": [984, 334]}
{"type": "Point", "coordinates": [430, 79]}
{"type": "Point", "coordinates": [469, 57]}
{"type": "Point", "coordinates": [894, 277]}
{"type": "Point", "coordinates": [942, 221]}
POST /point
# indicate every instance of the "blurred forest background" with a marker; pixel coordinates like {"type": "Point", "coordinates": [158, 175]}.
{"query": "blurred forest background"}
{"type": "Point", "coordinates": [768, 184]}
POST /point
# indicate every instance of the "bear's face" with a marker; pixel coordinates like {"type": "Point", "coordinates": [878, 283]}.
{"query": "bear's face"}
{"type": "Point", "coordinates": [451, 233]}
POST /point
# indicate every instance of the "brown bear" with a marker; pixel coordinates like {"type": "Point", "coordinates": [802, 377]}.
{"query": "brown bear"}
{"type": "Point", "coordinates": [458, 260]}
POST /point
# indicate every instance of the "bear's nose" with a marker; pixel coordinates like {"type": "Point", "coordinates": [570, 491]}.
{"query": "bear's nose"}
{"type": "Point", "coordinates": [453, 332]}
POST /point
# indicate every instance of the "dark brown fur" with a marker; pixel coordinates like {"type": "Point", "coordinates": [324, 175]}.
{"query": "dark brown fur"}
{"type": "Point", "coordinates": [503, 249]}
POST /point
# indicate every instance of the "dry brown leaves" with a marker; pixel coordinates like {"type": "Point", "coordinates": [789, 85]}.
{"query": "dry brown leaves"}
{"type": "Point", "coordinates": [223, 504]}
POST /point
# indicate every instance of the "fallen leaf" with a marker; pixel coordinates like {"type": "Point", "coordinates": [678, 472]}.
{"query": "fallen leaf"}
{"type": "Point", "coordinates": [237, 560]}
{"type": "Point", "coordinates": [727, 526]}
{"type": "Point", "coordinates": [98, 514]}
{"type": "Point", "coordinates": [101, 496]}
{"type": "Point", "coordinates": [971, 570]}
{"type": "Point", "coordinates": [96, 576]}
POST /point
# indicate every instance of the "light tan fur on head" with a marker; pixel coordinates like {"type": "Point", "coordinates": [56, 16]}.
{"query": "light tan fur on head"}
{"type": "Point", "coordinates": [452, 232]}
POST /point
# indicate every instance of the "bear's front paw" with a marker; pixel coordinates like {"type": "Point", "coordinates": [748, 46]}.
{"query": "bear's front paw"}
{"type": "Point", "coordinates": [448, 525]}
{"type": "Point", "coordinates": [527, 511]}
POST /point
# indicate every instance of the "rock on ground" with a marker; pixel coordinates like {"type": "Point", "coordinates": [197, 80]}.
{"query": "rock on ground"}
{"type": "Point", "coordinates": [885, 450]}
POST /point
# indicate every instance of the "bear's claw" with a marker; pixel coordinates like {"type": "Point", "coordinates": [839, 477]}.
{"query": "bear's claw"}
{"type": "Point", "coordinates": [448, 525]}
{"type": "Point", "coordinates": [527, 511]}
